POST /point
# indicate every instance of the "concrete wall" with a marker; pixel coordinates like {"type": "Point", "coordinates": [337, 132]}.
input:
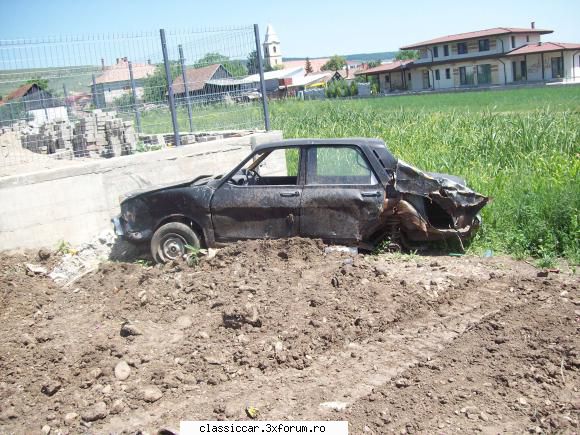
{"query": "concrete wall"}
{"type": "Point", "coordinates": [76, 203]}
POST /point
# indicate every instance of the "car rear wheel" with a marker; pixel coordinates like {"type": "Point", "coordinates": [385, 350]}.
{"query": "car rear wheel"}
{"type": "Point", "coordinates": [171, 241]}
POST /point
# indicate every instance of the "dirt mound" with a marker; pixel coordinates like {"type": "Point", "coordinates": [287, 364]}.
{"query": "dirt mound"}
{"type": "Point", "coordinates": [395, 342]}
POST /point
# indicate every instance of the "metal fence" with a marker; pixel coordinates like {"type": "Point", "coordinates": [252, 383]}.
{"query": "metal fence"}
{"type": "Point", "coordinates": [109, 95]}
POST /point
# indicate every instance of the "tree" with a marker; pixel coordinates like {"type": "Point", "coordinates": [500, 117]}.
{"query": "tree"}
{"type": "Point", "coordinates": [308, 66]}
{"type": "Point", "coordinates": [40, 82]}
{"type": "Point", "coordinates": [234, 67]}
{"type": "Point", "coordinates": [335, 63]}
{"type": "Point", "coordinates": [155, 85]}
{"type": "Point", "coordinates": [252, 62]}
{"type": "Point", "coordinates": [374, 63]}
{"type": "Point", "coordinates": [210, 59]}
{"type": "Point", "coordinates": [407, 54]}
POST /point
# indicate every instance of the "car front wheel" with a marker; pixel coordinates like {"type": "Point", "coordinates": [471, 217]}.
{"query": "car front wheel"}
{"type": "Point", "coordinates": [172, 241]}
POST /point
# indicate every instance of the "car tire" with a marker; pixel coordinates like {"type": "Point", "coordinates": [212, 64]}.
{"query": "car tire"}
{"type": "Point", "coordinates": [170, 240]}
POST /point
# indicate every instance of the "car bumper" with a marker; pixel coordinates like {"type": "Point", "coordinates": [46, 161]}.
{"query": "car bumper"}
{"type": "Point", "coordinates": [122, 230]}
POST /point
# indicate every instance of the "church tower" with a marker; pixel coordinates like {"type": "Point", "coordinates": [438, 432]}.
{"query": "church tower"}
{"type": "Point", "coordinates": [272, 52]}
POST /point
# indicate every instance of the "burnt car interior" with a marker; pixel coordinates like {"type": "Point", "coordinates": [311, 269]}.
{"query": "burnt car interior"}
{"type": "Point", "coordinates": [262, 171]}
{"type": "Point", "coordinates": [326, 165]}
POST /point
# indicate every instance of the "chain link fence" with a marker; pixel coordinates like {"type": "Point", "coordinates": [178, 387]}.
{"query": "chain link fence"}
{"type": "Point", "coordinates": [110, 95]}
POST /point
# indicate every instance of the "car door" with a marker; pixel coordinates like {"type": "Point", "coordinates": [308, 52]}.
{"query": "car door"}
{"type": "Point", "coordinates": [268, 209]}
{"type": "Point", "coordinates": [342, 198]}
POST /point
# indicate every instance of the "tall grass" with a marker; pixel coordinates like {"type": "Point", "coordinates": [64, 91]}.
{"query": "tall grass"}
{"type": "Point", "coordinates": [527, 161]}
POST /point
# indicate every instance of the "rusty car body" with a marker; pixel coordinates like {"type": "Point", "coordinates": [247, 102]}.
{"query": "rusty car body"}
{"type": "Point", "coordinates": [344, 191]}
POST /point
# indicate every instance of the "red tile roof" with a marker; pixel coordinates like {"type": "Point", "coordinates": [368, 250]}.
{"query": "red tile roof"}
{"type": "Point", "coordinates": [196, 78]}
{"type": "Point", "coordinates": [496, 31]}
{"type": "Point", "coordinates": [543, 47]}
{"type": "Point", "coordinates": [120, 72]}
{"type": "Point", "coordinates": [396, 65]}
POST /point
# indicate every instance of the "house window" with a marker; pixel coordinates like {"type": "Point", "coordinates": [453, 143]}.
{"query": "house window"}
{"type": "Point", "coordinates": [409, 76]}
{"type": "Point", "coordinates": [513, 42]}
{"type": "Point", "coordinates": [448, 73]}
{"type": "Point", "coordinates": [524, 69]}
{"type": "Point", "coordinates": [274, 48]}
{"type": "Point", "coordinates": [465, 76]}
{"type": "Point", "coordinates": [445, 50]}
{"type": "Point", "coordinates": [435, 51]}
{"type": "Point", "coordinates": [483, 45]}
{"type": "Point", "coordinates": [387, 79]}
{"type": "Point", "coordinates": [527, 38]}
{"type": "Point", "coordinates": [515, 76]}
{"type": "Point", "coordinates": [461, 48]}
{"type": "Point", "coordinates": [484, 74]}
{"type": "Point", "coordinates": [437, 76]}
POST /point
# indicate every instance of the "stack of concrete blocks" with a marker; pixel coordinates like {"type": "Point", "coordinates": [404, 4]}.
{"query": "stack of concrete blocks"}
{"type": "Point", "coordinates": [53, 137]}
{"type": "Point", "coordinates": [103, 134]}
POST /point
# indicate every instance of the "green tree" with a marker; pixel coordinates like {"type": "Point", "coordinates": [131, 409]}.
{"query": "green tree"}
{"type": "Point", "coordinates": [125, 101]}
{"type": "Point", "coordinates": [234, 67]}
{"type": "Point", "coordinates": [407, 54]}
{"type": "Point", "coordinates": [252, 63]}
{"type": "Point", "coordinates": [155, 85]}
{"type": "Point", "coordinates": [335, 63]}
{"type": "Point", "coordinates": [211, 59]}
{"type": "Point", "coordinates": [308, 66]}
{"type": "Point", "coordinates": [40, 82]}
{"type": "Point", "coordinates": [353, 89]}
{"type": "Point", "coordinates": [374, 63]}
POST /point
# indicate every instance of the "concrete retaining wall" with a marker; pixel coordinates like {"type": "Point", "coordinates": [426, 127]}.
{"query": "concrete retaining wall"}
{"type": "Point", "coordinates": [76, 203]}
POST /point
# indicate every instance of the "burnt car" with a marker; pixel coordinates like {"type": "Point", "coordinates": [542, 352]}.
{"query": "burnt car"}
{"type": "Point", "coordinates": [344, 191]}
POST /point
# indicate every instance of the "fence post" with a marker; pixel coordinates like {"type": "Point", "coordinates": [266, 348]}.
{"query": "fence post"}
{"type": "Point", "coordinates": [134, 93]}
{"type": "Point", "coordinates": [170, 88]}
{"type": "Point", "coordinates": [95, 101]}
{"type": "Point", "coordinates": [262, 82]}
{"type": "Point", "coordinates": [185, 87]}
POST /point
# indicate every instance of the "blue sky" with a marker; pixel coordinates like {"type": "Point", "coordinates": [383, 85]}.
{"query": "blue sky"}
{"type": "Point", "coordinates": [306, 28]}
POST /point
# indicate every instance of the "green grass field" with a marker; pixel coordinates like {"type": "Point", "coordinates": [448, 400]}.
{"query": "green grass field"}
{"type": "Point", "coordinates": [520, 146]}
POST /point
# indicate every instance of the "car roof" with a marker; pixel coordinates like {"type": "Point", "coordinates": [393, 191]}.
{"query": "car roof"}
{"type": "Point", "coordinates": [362, 142]}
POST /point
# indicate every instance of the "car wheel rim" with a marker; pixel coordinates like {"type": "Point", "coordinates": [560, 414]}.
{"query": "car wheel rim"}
{"type": "Point", "coordinates": [173, 247]}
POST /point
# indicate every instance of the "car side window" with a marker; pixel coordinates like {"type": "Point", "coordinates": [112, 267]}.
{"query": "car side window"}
{"type": "Point", "coordinates": [338, 165]}
{"type": "Point", "coordinates": [277, 167]}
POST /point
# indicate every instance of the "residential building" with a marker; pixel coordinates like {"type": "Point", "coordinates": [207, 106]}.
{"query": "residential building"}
{"type": "Point", "coordinates": [200, 85]}
{"type": "Point", "coordinates": [115, 81]}
{"type": "Point", "coordinates": [493, 57]}
{"type": "Point", "coordinates": [39, 104]}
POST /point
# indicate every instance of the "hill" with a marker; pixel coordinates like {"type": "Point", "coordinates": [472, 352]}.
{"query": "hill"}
{"type": "Point", "coordinates": [365, 57]}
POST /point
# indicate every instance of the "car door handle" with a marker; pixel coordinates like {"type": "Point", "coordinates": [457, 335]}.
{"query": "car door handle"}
{"type": "Point", "coordinates": [371, 193]}
{"type": "Point", "coordinates": [288, 194]}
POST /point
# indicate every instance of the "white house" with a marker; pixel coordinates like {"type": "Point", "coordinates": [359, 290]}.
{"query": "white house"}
{"type": "Point", "coordinates": [492, 57]}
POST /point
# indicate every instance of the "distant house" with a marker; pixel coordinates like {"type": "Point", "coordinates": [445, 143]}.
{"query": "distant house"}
{"type": "Point", "coordinates": [493, 57]}
{"type": "Point", "coordinates": [115, 81]}
{"type": "Point", "coordinates": [276, 83]}
{"type": "Point", "coordinates": [40, 104]}
{"type": "Point", "coordinates": [199, 83]}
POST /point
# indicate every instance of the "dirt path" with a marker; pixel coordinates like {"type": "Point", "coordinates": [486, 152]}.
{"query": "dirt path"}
{"type": "Point", "coordinates": [390, 343]}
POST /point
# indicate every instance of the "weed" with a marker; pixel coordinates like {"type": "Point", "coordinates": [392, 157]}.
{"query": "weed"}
{"type": "Point", "coordinates": [192, 255]}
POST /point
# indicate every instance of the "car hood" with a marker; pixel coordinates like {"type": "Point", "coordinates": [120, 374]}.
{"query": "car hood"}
{"type": "Point", "coordinates": [449, 191]}
{"type": "Point", "coordinates": [199, 181]}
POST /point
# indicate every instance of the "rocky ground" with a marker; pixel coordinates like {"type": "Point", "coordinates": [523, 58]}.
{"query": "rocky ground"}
{"type": "Point", "coordinates": [391, 343]}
